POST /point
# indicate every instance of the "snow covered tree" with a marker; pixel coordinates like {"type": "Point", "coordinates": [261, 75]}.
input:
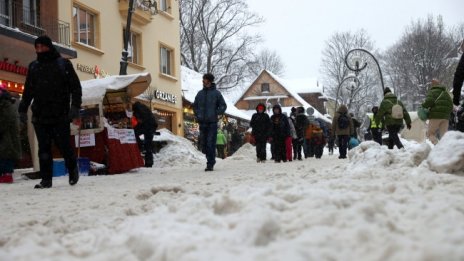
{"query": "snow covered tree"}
{"type": "Point", "coordinates": [215, 38]}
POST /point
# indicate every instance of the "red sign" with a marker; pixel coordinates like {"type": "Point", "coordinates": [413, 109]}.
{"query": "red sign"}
{"type": "Point", "coordinates": [9, 67]}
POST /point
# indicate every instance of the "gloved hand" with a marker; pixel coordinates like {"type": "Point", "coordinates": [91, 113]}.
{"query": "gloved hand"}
{"type": "Point", "coordinates": [73, 113]}
{"type": "Point", "coordinates": [23, 117]}
{"type": "Point", "coordinates": [409, 126]}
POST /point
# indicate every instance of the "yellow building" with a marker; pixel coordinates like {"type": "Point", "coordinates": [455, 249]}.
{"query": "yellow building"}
{"type": "Point", "coordinates": [97, 33]}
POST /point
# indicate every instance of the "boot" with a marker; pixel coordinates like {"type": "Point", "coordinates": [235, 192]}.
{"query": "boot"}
{"type": "Point", "coordinates": [44, 184]}
{"type": "Point", "coordinates": [73, 177]}
{"type": "Point", "coordinates": [6, 178]}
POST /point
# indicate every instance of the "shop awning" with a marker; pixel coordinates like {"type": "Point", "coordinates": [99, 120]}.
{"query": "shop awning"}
{"type": "Point", "coordinates": [95, 90]}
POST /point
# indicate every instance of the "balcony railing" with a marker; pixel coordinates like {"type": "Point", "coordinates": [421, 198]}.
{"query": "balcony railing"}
{"type": "Point", "coordinates": [29, 20]}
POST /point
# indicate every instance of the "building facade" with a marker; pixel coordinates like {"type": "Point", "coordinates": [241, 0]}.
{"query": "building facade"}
{"type": "Point", "coordinates": [97, 34]}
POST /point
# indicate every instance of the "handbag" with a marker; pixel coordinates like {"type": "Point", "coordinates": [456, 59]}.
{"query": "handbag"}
{"type": "Point", "coordinates": [423, 113]}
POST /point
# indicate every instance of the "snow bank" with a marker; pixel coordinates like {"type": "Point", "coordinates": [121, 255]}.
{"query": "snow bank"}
{"type": "Point", "coordinates": [448, 154]}
{"type": "Point", "coordinates": [179, 152]}
{"type": "Point", "coordinates": [246, 152]}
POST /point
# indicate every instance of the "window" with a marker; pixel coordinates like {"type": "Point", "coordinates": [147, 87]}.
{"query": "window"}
{"type": "Point", "coordinates": [31, 12]}
{"type": "Point", "coordinates": [5, 12]}
{"type": "Point", "coordinates": [163, 5]}
{"type": "Point", "coordinates": [265, 87]}
{"type": "Point", "coordinates": [84, 27]}
{"type": "Point", "coordinates": [166, 60]}
{"type": "Point", "coordinates": [134, 47]}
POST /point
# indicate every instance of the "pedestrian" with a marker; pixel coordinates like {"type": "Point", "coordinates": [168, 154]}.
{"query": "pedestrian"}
{"type": "Point", "coordinates": [440, 106]}
{"type": "Point", "coordinates": [318, 140]}
{"type": "Point", "coordinates": [309, 151]}
{"type": "Point", "coordinates": [280, 130]}
{"type": "Point", "coordinates": [330, 141]}
{"type": "Point", "coordinates": [260, 128]}
{"type": "Point", "coordinates": [374, 128]}
{"type": "Point", "coordinates": [10, 147]}
{"type": "Point", "coordinates": [289, 139]}
{"type": "Point", "coordinates": [342, 127]}
{"type": "Point", "coordinates": [458, 78]}
{"type": "Point", "coordinates": [302, 123]}
{"type": "Point", "coordinates": [392, 112]}
{"type": "Point", "coordinates": [146, 125]}
{"type": "Point", "coordinates": [208, 106]}
{"type": "Point", "coordinates": [220, 144]}
{"type": "Point", "coordinates": [53, 88]}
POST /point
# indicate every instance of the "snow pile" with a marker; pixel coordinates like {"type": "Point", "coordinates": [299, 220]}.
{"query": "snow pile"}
{"type": "Point", "coordinates": [179, 152]}
{"type": "Point", "coordinates": [246, 152]}
{"type": "Point", "coordinates": [448, 155]}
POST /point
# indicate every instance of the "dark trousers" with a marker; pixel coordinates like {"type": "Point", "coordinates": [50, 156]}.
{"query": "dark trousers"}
{"type": "Point", "coordinates": [261, 149]}
{"type": "Point", "coordinates": [220, 151]}
{"type": "Point", "coordinates": [309, 149]}
{"type": "Point", "coordinates": [298, 143]}
{"type": "Point", "coordinates": [393, 138]}
{"type": "Point", "coordinates": [377, 135]}
{"type": "Point", "coordinates": [279, 149]}
{"type": "Point", "coordinates": [343, 145]}
{"type": "Point", "coordinates": [60, 134]}
{"type": "Point", "coordinates": [295, 148]}
{"type": "Point", "coordinates": [147, 144]}
{"type": "Point", "coordinates": [318, 150]}
{"type": "Point", "coordinates": [208, 133]}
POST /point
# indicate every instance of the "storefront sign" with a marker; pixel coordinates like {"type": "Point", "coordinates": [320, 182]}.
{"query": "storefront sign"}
{"type": "Point", "coordinates": [14, 68]}
{"type": "Point", "coordinates": [164, 96]}
{"type": "Point", "coordinates": [95, 70]}
{"type": "Point", "coordinates": [87, 140]}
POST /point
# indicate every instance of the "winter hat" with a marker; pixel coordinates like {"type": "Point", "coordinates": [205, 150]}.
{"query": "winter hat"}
{"type": "Point", "coordinates": [209, 77]}
{"type": "Point", "coordinates": [45, 40]}
{"type": "Point", "coordinates": [260, 106]}
{"type": "Point", "coordinates": [293, 109]}
{"type": "Point", "coordinates": [387, 90]}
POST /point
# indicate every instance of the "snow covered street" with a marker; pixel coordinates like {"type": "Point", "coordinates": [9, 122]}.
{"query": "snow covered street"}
{"type": "Point", "coordinates": [379, 205]}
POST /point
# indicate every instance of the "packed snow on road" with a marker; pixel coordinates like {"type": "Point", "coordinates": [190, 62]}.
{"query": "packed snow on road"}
{"type": "Point", "coordinates": [380, 204]}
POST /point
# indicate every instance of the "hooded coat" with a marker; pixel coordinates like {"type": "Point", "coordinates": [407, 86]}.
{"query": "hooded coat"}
{"type": "Point", "coordinates": [10, 147]}
{"type": "Point", "coordinates": [301, 123]}
{"type": "Point", "coordinates": [209, 104]}
{"type": "Point", "coordinates": [280, 126]}
{"type": "Point", "coordinates": [458, 80]}
{"type": "Point", "coordinates": [51, 86]}
{"type": "Point", "coordinates": [145, 119]}
{"type": "Point", "coordinates": [336, 130]}
{"type": "Point", "coordinates": [438, 102]}
{"type": "Point", "coordinates": [220, 138]}
{"type": "Point", "coordinates": [260, 124]}
{"type": "Point", "coordinates": [385, 110]}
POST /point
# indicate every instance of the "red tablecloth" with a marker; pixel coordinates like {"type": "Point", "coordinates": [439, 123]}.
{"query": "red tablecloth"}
{"type": "Point", "coordinates": [119, 158]}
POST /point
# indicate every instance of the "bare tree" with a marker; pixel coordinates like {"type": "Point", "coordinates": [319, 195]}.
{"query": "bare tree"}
{"type": "Point", "coordinates": [423, 53]}
{"type": "Point", "coordinates": [360, 94]}
{"type": "Point", "coordinates": [266, 60]}
{"type": "Point", "coordinates": [215, 39]}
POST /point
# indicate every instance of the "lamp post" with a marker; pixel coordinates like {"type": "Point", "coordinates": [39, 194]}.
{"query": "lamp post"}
{"type": "Point", "coordinates": [350, 77]}
{"type": "Point", "coordinates": [358, 69]}
{"type": "Point", "coordinates": [147, 5]}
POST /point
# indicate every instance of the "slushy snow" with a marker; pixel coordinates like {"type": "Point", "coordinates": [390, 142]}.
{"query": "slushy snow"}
{"type": "Point", "coordinates": [379, 205]}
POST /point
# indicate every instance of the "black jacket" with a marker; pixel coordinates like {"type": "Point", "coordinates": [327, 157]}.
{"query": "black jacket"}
{"type": "Point", "coordinates": [260, 124]}
{"type": "Point", "coordinates": [458, 80]}
{"type": "Point", "coordinates": [146, 121]}
{"type": "Point", "coordinates": [280, 126]}
{"type": "Point", "coordinates": [52, 86]}
{"type": "Point", "coordinates": [301, 123]}
{"type": "Point", "coordinates": [209, 104]}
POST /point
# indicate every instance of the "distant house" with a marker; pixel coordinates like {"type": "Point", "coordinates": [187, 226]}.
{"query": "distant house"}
{"type": "Point", "coordinates": [270, 90]}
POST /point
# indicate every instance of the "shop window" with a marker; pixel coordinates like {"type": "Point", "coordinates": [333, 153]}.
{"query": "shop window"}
{"type": "Point", "coordinates": [134, 47]}
{"type": "Point", "coordinates": [31, 12]}
{"type": "Point", "coordinates": [265, 88]}
{"type": "Point", "coordinates": [166, 62]}
{"type": "Point", "coordinates": [5, 12]}
{"type": "Point", "coordinates": [164, 5]}
{"type": "Point", "coordinates": [84, 26]}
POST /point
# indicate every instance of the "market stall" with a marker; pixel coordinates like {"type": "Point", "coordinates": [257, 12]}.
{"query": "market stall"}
{"type": "Point", "coordinates": [106, 135]}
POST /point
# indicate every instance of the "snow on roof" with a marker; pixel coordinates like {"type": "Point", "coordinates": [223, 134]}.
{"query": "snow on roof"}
{"type": "Point", "coordinates": [192, 84]}
{"type": "Point", "coordinates": [304, 85]}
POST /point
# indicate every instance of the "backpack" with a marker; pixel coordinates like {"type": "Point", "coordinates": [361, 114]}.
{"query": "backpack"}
{"type": "Point", "coordinates": [397, 111]}
{"type": "Point", "coordinates": [343, 121]}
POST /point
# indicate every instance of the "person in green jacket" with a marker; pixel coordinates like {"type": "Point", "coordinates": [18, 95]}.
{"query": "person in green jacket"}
{"type": "Point", "coordinates": [390, 120]}
{"type": "Point", "coordinates": [10, 147]}
{"type": "Point", "coordinates": [440, 106]}
{"type": "Point", "coordinates": [220, 144]}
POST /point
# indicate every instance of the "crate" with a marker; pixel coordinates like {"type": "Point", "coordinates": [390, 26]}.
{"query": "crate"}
{"type": "Point", "coordinates": [59, 168]}
{"type": "Point", "coordinates": [83, 166]}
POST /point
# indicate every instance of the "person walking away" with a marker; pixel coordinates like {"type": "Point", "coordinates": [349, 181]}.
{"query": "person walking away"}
{"type": "Point", "coordinates": [342, 127]}
{"type": "Point", "coordinates": [309, 152]}
{"type": "Point", "coordinates": [208, 106]}
{"type": "Point", "coordinates": [289, 140]}
{"type": "Point", "coordinates": [440, 105]}
{"type": "Point", "coordinates": [302, 123]}
{"type": "Point", "coordinates": [331, 141]}
{"type": "Point", "coordinates": [10, 147]}
{"type": "Point", "coordinates": [392, 112]}
{"type": "Point", "coordinates": [318, 140]}
{"type": "Point", "coordinates": [53, 88]}
{"type": "Point", "coordinates": [374, 128]}
{"type": "Point", "coordinates": [220, 144]}
{"type": "Point", "coordinates": [260, 128]}
{"type": "Point", "coordinates": [457, 87]}
{"type": "Point", "coordinates": [356, 125]}
{"type": "Point", "coordinates": [280, 131]}
{"type": "Point", "coordinates": [146, 125]}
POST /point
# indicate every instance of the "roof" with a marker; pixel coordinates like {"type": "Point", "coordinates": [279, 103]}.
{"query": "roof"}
{"type": "Point", "coordinates": [191, 85]}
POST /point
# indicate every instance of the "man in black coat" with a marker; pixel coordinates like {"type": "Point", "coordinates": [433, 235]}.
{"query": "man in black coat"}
{"type": "Point", "coordinates": [301, 124]}
{"type": "Point", "coordinates": [146, 125]}
{"type": "Point", "coordinates": [260, 124]}
{"type": "Point", "coordinates": [458, 80]}
{"type": "Point", "coordinates": [53, 88]}
{"type": "Point", "coordinates": [280, 130]}
{"type": "Point", "coordinates": [208, 105]}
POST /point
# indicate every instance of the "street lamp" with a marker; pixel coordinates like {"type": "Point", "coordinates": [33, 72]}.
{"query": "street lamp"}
{"type": "Point", "coordinates": [357, 63]}
{"type": "Point", "coordinates": [350, 77]}
{"type": "Point", "coordinates": [146, 5]}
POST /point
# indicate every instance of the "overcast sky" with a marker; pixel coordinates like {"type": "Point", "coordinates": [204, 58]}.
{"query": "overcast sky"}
{"type": "Point", "coordinates": [298, 29]}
